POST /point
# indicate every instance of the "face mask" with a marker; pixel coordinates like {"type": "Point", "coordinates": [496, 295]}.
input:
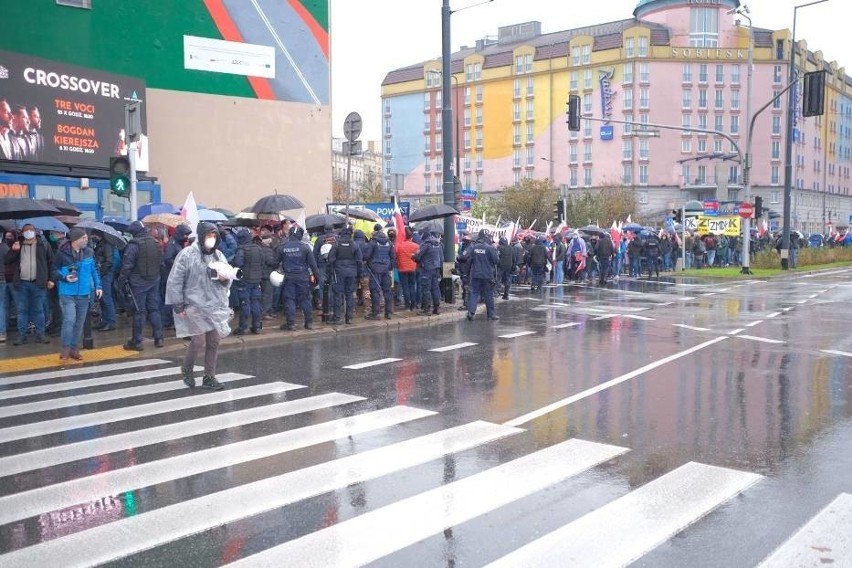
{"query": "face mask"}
{"type": "Point", "coordinates": [210, 243]}
{"type": "Point", "coordinates": [29, 235]}
{"type": "Point", "coordinates": [52, 238]}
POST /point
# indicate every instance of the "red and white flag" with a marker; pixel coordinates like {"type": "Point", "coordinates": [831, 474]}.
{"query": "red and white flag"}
{"type": "Point", "coordinates": [189, 211]}
{"type": "Point", "coordinates": [398, 222]}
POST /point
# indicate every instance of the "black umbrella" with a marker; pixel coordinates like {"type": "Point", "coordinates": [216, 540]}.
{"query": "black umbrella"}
{"type": "Point", "coordinates": [434, 226]}
{"type": "Point", "coordinates": [111, 235]}
{"type": "Point", "coordinates": [362, 214]}
{"type": "Point", "coordinates": [315, 223]}
{"type": "Point", "coordinates": [592, 230]}
{"type": "Point", "coordinates": [275, 203]}
{"type": "Point", "coordinates": [23, 207]}
{"type": "Point", "coordinates": [434, 211]}
{"type": "Point", "coordinates": [244, 222]}
{"type": "Point", "coordinates": [223, 211]}
{"type": "Point", "coordinates": [64, 207]}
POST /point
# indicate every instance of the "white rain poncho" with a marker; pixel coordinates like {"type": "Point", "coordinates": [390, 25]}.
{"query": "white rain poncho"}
{"type": "Point", "coordinates": [205, 299]}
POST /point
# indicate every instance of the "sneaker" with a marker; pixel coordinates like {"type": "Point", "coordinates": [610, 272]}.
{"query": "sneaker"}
{"type": "Point", "coordinates": [336, 321]}
{"type": "Point", "coordinates": [130, 346]}
{"type": "Point", "coordinates": [288, 326]}
{"type": "Point", "coordinates": [188, 377]}
{"type": "Point", "coordinates": [239, 332]}
{"type": "Point", "coordinates": [19, 339]}
{"type": "Point", "coordinates": [65, 354]}
{"type": "Point", "coordinates": [309, 325]}
{"type": "Point", "coordinates": [493, 318]}
{"type": "Point", "coordinates": [159, 342]}
{"type": "Point", "coordinates": [42, 339]}
{"type": "Point", "coordinates": [372, 317]}
{"type": "Point", "coordinates": [210, 382]}
{"type": "Point", "coordinates": [105, 328]}
{"type": "Point", "coordinates": [388, 316]}
{"type": "Point", "coordinates": [424, 313]}
{"type": "Point", "coordinates": [469, 316]}
{"type": "Point", "coordinates": [254, 331]}
{"type": "Point", "coordinates": [75, 354]}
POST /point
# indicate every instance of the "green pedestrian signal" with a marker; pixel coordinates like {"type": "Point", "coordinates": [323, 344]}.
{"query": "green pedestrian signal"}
{"type": "Point", "coordinates": [119, 176]}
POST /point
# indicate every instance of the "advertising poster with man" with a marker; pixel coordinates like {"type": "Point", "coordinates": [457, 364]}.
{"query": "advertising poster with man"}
{"type": "Point", "coordinates": [53, 113]}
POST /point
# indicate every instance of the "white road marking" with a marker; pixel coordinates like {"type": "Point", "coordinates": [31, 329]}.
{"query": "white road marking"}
{"type": "Point", "coordinates": [77, 371]}
{"type": "Point", "coordinates": [606, 316]}
{"type": "Point", "coordinates": [372, 363]}
{"type": "Point", "coordinates": [762, 339]}
{"type": "Point", "coordinates": [736, 331]}
{"type": "Point", "coordinates": [199, 398]}
{"type": "Point", "coordinates": [833, 352]}
{"type": "Point", "coordinates": [611, 383]}
{"type": "Point", "coordinates": [565, 325]}
{"type": "Point", "coordinates": [812, 296]}
{"type": "Point", "coordinates": [636, 523]}
{"type": "Point", "coordinates": [134, 534]}
{"type": "Point", "coordinates": [754, 323]}
{"type": "Point", "coordinates": [692, 327]}
{"type": "Point", "coordinates": [453, 347]}
{"type": "Point", "coordinates": [643, 318]}
{"type": "Point", "coordinates": [560, 304]}
{"type": "Point", "coordinates": [786, 309]}
{"type": "Point", "coordinates": [517, 334]}
{"type": "Point", "coordinates": [61, 495]}
{"type": "Point", "coordinates": [709, 294]}
{"type": "Point", "coordinates": [403, 523]}
{"type": "Point", "coordinates": [47, 457]}
{"type": "Point", "coordinates": [773, 315]}
{"type": "Point", "coordinates": [823, 541]}
{"type": "Point", "coordinates": [802, 302]}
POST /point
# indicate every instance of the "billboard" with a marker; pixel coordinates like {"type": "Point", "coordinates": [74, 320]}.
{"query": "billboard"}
{"type": "Point", "coordinates": [383, 209]}
{"type": "Point", "coordinates": [52, 113]}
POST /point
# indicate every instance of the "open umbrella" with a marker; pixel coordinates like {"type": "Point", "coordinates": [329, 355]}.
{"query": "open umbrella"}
{"type": "Point", "coordinates": [223, 211]}
{"type": "Point", "coordinates": [43, 224]}
{"type": "Point", "coordinates": [111, 235]}
{"type": "Point", "coordinates": [592, 230]}
{"type": "Point", "coordinates": [434, 226]}
{"type": "Point", "coordinates": [634, 227]}
{"type": "Point", "coordinates": [434, 211]}
{"type": "Point", "coordinates": [362, 214]}
{"type": "Point", "coordinates": [64, 207]}
{"type": "Point", "coordinates": [23, 207]}
{"type": "Point", "coordinates": [211, 215]}
{"type": "Point", "coordinates": [116, 222]}
{"type": "Point", "coordinates": [167, 219]}
{"type": "Point", "coordinates": [320, 220]}
{"type": "Point", "coordinates": [276, 203]}
{"type": "Point", "coordinates": [155, 208]}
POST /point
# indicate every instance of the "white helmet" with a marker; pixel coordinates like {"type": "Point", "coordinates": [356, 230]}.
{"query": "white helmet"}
{"type": "Point", "coordinates": [276, 278]}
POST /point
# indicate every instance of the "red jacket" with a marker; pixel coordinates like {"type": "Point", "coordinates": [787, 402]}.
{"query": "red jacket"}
{"type": "Point", "coordinates": [404, 252]}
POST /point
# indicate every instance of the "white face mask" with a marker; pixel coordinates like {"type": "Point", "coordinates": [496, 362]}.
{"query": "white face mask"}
{"type": "Point", "coordinates": [209, 243]}
{"type": "Point", "coordinates": [29, 235]}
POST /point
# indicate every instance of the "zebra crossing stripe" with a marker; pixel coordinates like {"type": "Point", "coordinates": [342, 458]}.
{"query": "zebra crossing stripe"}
{"type": "Point", "coordinates": [452, 347]}
{"type": "Point", "coordinates": [134, 534]}
{"type": "Point", "coordinates": [636, 523]}
{"type": "Point", "coordinates": [834, 352]}
{"type": "Point", "coordinates": [372, 363]}
{"type": "Point", "coordinates": [59, 496]}
{"type": "Point", "coordinates": [127, 413]}
{"type": "Point", "coordinates": [105, 396]}
{"type": "Point", "coordinates": [514, 335]}
{"type": "Point", "coordinates": [357, 542]}
{"type": "Point", "coordinates": [565, 325]}
{"type": "Point", "coordinates": [823, 541]}
{"type": "Point", "coordinates": [96, 382]}
{"type": "Point", "coordinates": [47, 457]}
{"type": "Point", "coordinates": [31, 377]}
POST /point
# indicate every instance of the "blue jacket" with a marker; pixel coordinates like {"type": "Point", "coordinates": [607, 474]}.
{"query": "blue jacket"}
{"type": "Point", "coordinates": [431, 254]}
{"type": "Point", "coordinates": [296, 258]}
{"type": "Point", "coordinates": [228, 244]}
{"type": "Point", "coordinates": [379, 255]}
{"type": "Point", "coordinates": [482, 258]}
{"type": "Point", "coordinates": [345, 256]}
{"type": "Point", "coordinates": [83, 262]}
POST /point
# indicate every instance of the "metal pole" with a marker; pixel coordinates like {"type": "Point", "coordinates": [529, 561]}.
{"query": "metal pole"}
{"type": "Point", "coordinates": [348, 174]}
{"type": "Point", "coordinates": [131, 156]}
{"type": "Point", "coordinates": [447, 144]}
{"type": "Point", "coordinates": [746, 222]}
{"type": "Point", "coordinates": [683, 237]}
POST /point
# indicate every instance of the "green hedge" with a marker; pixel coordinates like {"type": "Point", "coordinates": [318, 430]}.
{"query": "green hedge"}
{"type": "Point", "coordinates": [807, 257]}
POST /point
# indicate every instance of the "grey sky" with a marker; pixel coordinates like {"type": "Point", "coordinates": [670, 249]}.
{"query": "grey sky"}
{"type": "Point", "coordinates": [371, 37]}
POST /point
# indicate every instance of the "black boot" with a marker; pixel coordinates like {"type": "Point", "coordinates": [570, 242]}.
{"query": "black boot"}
{"type": "Point", "coordinates": [210, 382]}
{"type": "Point", "coordinates": [188, 377]}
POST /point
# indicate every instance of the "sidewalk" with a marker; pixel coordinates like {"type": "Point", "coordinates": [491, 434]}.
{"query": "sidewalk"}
{"type": "Point", "coordinates": [108, 345]}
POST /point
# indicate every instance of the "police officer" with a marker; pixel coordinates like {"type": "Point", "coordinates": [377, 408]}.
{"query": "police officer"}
{"type": "Point", "coordinates": [463, 267]}
{"type": "Point", "coordinates": [380, 260]}
{"type": "Point", "coordinates": [505, 265]}
{"type": "Point", "coordinates": [322, 247]}
{"type": "Point", "coordinates": [651, 251]}
{"type": "Point", "coordinates": [430, 257]}
{"type": "Point", "coordinates": [140, 270]}
{"type": "Point", "coordinates": [250, 259]}
{"type": "Point", "coordinates": [346, 261]}
{"type": "Point", "coordinates": [298, 263]}
{"type": "Point", "coordinates": [482, 257]}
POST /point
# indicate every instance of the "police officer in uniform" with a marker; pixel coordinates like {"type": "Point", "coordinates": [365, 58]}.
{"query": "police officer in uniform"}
{"type": "Point", "coordinates": [482, 257]}
{"type": "Point", "coordinates": [140, 269]}
{"type": "Point", "coordinates": [506, 265]}
{"type": "Point", "coordinates": [298, 263]}
{"type": "Point", "coordinates": [250, 259]}
{"type": "Point", "coordinates": [345, 259]}
{"type": "Point", "coordinates": [380, 260]}
{"type": "Point", "coordinates": [322, 247]}
{"type": "Point", "coordinates": [463, 267]}
{"type": "Point", "coordinates": [430, 257]}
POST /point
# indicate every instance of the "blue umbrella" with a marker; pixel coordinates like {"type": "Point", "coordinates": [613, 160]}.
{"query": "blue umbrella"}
{"type": "Point", "coordinates": [210, 215]}
{"type": "Point", "coordinates": [635, 227]}
{"type": "Point", "coordinates": [116, 222]}
{"type": "Point", "coordinates": [43, 224]}
{"type": "Point", "coordinates": [156, 209]}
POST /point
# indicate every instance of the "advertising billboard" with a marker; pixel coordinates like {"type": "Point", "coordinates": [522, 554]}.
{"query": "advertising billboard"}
{"type": "Point", "coordinates": [52, 113]}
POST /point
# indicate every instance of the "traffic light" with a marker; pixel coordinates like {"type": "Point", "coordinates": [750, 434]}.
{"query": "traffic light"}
{"type": "Point", "coordinates": [677, 215]}
{"type": "Point", "coordinates": [758, 207]}
{"type": "Point", "coordinates": [119, 176]}
{"type": "Point", "coordinates": [574, 113]}
{"type": "Point", "coordinates": [813, 97]}
{"type": "Point", "coordinates": [559, 211]}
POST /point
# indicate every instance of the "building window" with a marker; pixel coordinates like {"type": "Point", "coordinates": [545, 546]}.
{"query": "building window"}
{"type": "Point", "coordinates": [686, 120]}
{"type": "Point", "coordinates": [427, 165]}
{"type": "Point", "coordinates": [587, 103]}
{"type": "Point", "coordinates": [735, 74]}
{"type": "Point", "coordinates": [734, 174]}
{"type": "Point", "coordinates": [467, 117]}
{"type": "Point", "coordinates": [388, 148]}
{"type": "Point", "coordinates": [717, 146]}
{"type": "Point", "coordinates": [530, 87]}
{"type": "Point", "coordinates": [387, 106]}
{"type": "Point", "coordinates": [530, 133]}
{"type": "Point", "coordinates": [427, 101]}
{"type": "Point", "coordinates": [720, 73]}
{"type": "Point", "coordinates": [776, 102]}
{"type": "Point", "coordinates": [587, 128]}
{"type": "Point", "coordinates": [438, 100]}
{"type": "Point", "coordinates": [720, 98]}
{"type": "Point", "coordinates": [704, 27]}
{"type": "Point", "coordinates": [477, 71]}
{"type": "Point", "coordinates": [628, 128]}
{"type": "Point", "coordinates": [478, 161]}
{"type": "Point", "coordinates": [719, 125]}
{"type": "Point", "coordinates": [627, 176]}
{"type": "Point", "coordinates": [530, 156]}
{"type": "Point", "coordinates": [628, 47]}
{"type": "Point", "coordinates": [776, 74]}
{"type": "Point", "coordinates": [776, 150]}
{"type": "Point", "coordinates": [644, 98]}
{"type": "Point", "coordinates": [643, 46]}
{"type": "Point", "coordinates": [686, 74]}
{"type": "Point", "coordinates": [735, 100]}
{"type": "Point", "coordinates": [628, 99]}
{"type": "Point", "coordinates": [516, 111]}
{"type": "Point", "coordinates": [644, 72]}
{"type": "Point", "coordinates": [467, 164]}
{"type": "Point", "coordinates": [575, 56]}
{"type": "Point", "coordinates": [643, 149]}
{"type": "Point", "coordinates": [702, 145]}
{"type": "Point", "coordinates": [643, 195]}
{"type": "Point", "coordinates": [530, 110]}
{"type": "Point", "coordinates": [387, 127]}
{"type": "Point", "coordinates": [702, 121]}
{"type": "Point", "coordinates": [427, 122]}
{"type": "Point", "coordinates": [516, 140]}
{"type": "Point", "coordinates": [587, 152]}
{"type": "Point", "coordinates": [516, 91]}
{"type": "Point", "coordinates": [643, 175]}
{"type": "Point", "coordinates": [702, 72]}
{"type": "Point", "coordinates": [572, 179]}
{"type": "Point", "coordinates": [572, 153]}
{"type": "Point", "coordinates": [627, 150]}
{"type": "Point", "coordinates": [735, 124]}
{"type": "Point", "coordinates": [685, 170]}
{"type": "Point", "coordinates": [628, 73]}
{"type": "Point", "coordinates": [479, 116]}
{"type": "Point", "coordinates": [479, 138]}
{"type": "Point", "coordinates": [439, 146]}
{"type": "Point", "coordinates": [587, 79]}
{"type": "Point", "coordinates": [644, 118]}
{"type": "Point", "coordinates": [467, 139]}
{"type": "Point", "coordinates": [467, 96]}
{"type": "Point", "coordinates": [574, 84]}
{"type": "Point", "coordinates": [702, 98]}
{"type": "Point", "coordinates": [701, 177]}
{"type": "Point", "coordinates": [774, 197]}
{"type": "Point", "coordinates": [519, 65]}
{"type": "Point", "coordinates": [427, 184]}
{"type": "Point", "coordinates": [479, 91]}
{"type": "Point", "coordinates": [468, 72]}
{"type": "Point", "coordinates": [776, 125]}
{"type": "Point", "coordinates": [587, 177]}
{"type": "Point", "coordinates": [587, 54]}
{"type": "Point", "coordinates": [687, 98]}
{"type": "Point", "coordinates": [516, 158]}
{"type": "Point", "coordinates": [686, 146]}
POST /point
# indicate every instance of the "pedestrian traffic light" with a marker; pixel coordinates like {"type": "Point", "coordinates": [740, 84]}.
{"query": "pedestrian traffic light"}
{"type": "Point", "coordinates": [559, 210]}
{"type": "Point", "coordinates": [677, 215]}
{"type": "Point", "coordinates": [813, 96]}
{"type": "Point", "coordinates": [758, 207]}
{"type": "Point", "coordinates": [574, 113]}
{"type": "Point", "coordinates": [119, 176]}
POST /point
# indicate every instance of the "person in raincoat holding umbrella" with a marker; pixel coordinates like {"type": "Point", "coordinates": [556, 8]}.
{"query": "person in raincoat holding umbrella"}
{"type": "Point", "coordinates": [198, 295]}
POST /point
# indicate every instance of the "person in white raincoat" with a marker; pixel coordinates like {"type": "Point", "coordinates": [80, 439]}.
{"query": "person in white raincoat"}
{"type": "Point", "coordinates": [199, 298]}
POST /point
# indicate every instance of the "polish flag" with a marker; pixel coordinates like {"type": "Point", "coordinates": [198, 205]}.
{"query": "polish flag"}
{"type": "Point", "coordinates": [615, 234]}
{"type": "Point", "coordinates": [190, 213]}
{"type": "Point", "coordinates": [398, 222]}
{"type": "Point", "coordinates": [764, 228]}
{"type": "Point", "coordinates": [628, 220]}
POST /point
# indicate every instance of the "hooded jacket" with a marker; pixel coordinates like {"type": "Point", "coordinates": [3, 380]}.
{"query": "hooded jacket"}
{"type": "Point", "coordinates": [82, 263]}
{"type": "Point", "coordinates": [482, 257]}
{"type": "Point", "coordinates": [507, 255]}
{"type": "Point", "coordinates": [430, 256]}
{"type": "Point", "coordinates": [249, 257]}
{"type": "Point", "coordinates": [142, 257]}
{"type": "Point", "coordinates": [380, 256]}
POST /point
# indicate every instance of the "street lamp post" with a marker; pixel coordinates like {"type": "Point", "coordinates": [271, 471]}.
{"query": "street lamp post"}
{"type": "Point", "coordinates": [447, 134]}
{"type": "Point", "coordinates": [788, 150]}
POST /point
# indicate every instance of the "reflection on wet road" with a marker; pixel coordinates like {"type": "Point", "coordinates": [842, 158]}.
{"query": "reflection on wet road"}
{"type": "Point", "coordinates": [660, 423]}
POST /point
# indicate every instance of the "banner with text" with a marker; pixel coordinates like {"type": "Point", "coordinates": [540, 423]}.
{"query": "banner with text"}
{"type": "Point", "coordinates": [728, 226]}
{"type": "Point", "coordinates": [54, 113]}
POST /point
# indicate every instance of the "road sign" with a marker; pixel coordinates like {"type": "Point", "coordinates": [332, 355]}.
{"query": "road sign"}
{"type": "Point", "coordinates": [352, 148]}
{"type": "Point", "coordinates": [746, 210]}
{"type": "Point", "coordinates": [711, 207]}
{"type": "Point", "coordinates": [352, 126]}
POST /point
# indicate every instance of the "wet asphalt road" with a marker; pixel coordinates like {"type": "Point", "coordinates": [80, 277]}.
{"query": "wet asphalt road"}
{"type": "Point", "coordinates": [702, 423]}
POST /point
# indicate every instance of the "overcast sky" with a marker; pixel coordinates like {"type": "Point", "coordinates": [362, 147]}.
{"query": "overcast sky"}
{"type": "Point", "coordinates": [371, 37]}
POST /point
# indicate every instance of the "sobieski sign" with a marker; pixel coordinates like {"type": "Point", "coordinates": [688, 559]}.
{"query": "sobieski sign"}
{"type": "Point", "coordinates": [54, 113]}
